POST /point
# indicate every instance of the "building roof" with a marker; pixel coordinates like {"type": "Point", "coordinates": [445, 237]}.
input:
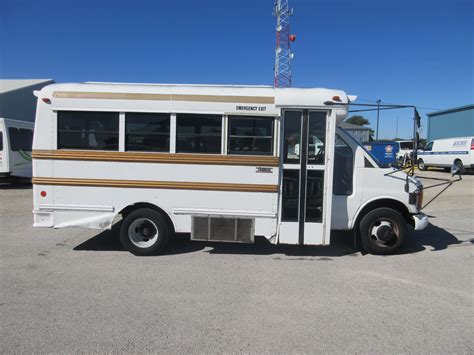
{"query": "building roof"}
{"type": "Point", "coordinates": [450, 110]}
{"type": "Point", "coordinates": [7, 85]}
{"type": "Point", "coordinates": [352, 126]}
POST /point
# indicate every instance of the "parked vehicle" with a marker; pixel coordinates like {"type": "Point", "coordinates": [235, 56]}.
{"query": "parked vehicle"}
{"type": "Point", "coordinates": [385, 151]}
{"type": "Point", "coordinates": [405, 152]}
{"type": "Point", "coordinates": [445, 152]}
{"type": "Point", "coordinates": [16, 138]}
{"type": "Point", "coordinates": [223, 163]}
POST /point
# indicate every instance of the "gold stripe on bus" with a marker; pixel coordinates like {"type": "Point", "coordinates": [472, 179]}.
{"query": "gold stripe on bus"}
{"type": "Point", "coordinates": [140, 157]}
{"type": "Point", "coordinates": [164, 97]}
{"type": "Point", "coordinates": [148, 184]}
{"type": "Point", "coordinates": [110, 95]}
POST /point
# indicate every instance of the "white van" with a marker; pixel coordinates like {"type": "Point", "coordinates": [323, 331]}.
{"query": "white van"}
{"type": "Point", "coordinates": [16, 138]}
{"type": "Point", "coordinates": [446, 152]}
{"type": "Point", "coordinates": [223, 163]}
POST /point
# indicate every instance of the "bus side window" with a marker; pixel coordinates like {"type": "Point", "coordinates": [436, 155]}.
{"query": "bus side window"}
{"type": "Point", "coordinates": [250, 135]}
{"type": "Point", "coordinates": [88, 130]}
{"type": "Point", "coordinates": [147, 132]}
{"type": "Point", "coordinates": [198, 133]}
{"type": "Point", "coordinates": [429, 147]}
{"type": "Point", "coordinates": [26, 139]}
{"type": "Point", "coordinates": [1, 141]}
{"type": "Point", "coordinates": [343, 168]}
{"type": "Point", "coordinates": [15, 143]}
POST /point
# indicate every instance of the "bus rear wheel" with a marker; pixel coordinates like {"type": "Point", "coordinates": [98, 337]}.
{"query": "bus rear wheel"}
{"type": "Point", "coordinates": [144, 232]}
{"type": "Point", "coordinates": [382, 231]}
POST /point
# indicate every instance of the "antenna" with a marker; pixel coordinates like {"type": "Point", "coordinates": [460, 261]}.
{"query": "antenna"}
{"type": "Point", "coordinates": [283, 55]}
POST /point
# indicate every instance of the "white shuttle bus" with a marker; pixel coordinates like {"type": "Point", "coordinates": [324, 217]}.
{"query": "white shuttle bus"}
{"type": "Point", "coordinates": [16, 138]}
{"type": "Point", "coordinates": [223, 163]}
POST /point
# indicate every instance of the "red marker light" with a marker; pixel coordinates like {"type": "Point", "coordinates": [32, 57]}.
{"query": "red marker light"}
{"type": "Point", "coordinates": [43, 193]}
{"type": "Point", "coordinates": [336, 98]}
{"type": "Point", "coordinates": [46, 100]}
{"type": "Point", "coordinates": [292, 38]}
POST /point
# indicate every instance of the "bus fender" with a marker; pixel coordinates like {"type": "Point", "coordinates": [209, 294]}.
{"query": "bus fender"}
{"type": "Point", "coordinates": [381, 201]}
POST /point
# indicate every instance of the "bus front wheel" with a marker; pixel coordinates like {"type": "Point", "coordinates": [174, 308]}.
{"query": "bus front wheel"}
{"type": "Point", "coordinates": [382, 231]}
{"type": "Point", "coordinates": [144, 232]}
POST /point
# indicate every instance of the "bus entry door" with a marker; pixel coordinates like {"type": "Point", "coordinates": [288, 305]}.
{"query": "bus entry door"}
{"type": "Point", "coordinates": [304, 211]}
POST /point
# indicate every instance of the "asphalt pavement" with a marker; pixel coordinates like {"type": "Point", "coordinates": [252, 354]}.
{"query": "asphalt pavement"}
{"type": "Point", "coordinates": [76, 290]}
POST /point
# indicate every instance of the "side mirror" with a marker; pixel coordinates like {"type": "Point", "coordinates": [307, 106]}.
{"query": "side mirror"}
{"type": "Point", "coordinates": [455, 170]}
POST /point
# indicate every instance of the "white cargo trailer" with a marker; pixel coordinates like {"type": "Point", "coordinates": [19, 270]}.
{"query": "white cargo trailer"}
{"type": "Point", "coordinates": [224, 163]}
{"type": "Point", "coordinates": [16, 138]}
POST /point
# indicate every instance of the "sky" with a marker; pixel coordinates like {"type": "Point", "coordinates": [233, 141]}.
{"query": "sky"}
{"type": "Point", "coordinates": [417, 52]}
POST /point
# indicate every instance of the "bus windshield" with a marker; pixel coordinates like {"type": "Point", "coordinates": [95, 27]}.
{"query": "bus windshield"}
{"type": "Point", "coordinates": [379, 164]}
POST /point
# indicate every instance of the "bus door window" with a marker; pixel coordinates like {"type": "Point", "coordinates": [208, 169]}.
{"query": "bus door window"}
{"type": "Point", "coordinates": [316, 137]}
{"type": "Point", "coordinates": [292, 137]}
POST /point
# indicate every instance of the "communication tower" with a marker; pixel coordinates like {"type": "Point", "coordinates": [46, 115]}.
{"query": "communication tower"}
{"type": "Point", "coordinates": [283, 55]}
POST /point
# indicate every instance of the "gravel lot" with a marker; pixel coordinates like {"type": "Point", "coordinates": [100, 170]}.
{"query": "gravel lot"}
{"type": "Point", "coordinates": [72, 290]}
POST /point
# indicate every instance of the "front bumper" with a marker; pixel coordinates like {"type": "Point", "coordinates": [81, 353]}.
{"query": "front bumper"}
{"type": "Point", "coordinates": [421, 221]}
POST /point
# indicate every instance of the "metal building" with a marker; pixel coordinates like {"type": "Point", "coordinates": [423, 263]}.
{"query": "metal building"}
{"type": "Point", "coordinates": [454, 122]}
{"type": "Point", "coordinates": [17, 100]}
{"type": "Point", "coordinates": [360, 133]}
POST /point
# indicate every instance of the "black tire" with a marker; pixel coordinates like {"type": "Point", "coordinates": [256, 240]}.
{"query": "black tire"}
{"type": "Point", "coordinates": [421, 165]}
{"type": "Point", "coordinates": [382, 231]}
{"type": "Point", "coordinates": [460, 165]}
{"type": "Point", "coordinates": [144, 232]}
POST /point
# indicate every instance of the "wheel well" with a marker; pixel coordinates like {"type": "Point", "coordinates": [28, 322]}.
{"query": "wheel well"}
{"type": "Point", "coordinates": [386, 202]}
{"type": "Point", "coordinates": [124, 212]}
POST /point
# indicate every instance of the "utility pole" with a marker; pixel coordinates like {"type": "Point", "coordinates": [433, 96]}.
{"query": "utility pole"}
{"type": "Point", "coordinates": [378, 115]}
{"type": "Point", "coordinates": [396, 130]}
{"type": "Point", "coordinates": [283, 55]}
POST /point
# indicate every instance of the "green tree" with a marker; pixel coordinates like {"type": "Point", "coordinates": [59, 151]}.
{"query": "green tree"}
{"type": "Point", "coordinates": [358, 120]}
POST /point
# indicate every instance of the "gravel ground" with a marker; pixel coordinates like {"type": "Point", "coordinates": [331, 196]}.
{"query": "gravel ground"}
{"type": "Point", "coordinates": [72, 290]}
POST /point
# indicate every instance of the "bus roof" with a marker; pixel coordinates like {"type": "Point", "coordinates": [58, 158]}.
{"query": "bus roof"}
{"type": "Point", "coordinates": [296, 97]}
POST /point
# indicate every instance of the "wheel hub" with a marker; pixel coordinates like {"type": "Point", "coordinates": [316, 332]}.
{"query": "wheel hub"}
{"type": "Point", "coordinates": [383, 233]}
{"type": "Point", "coordinates": [147, 230]}
{"type": "Point", "coordinates": [142, 232]}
